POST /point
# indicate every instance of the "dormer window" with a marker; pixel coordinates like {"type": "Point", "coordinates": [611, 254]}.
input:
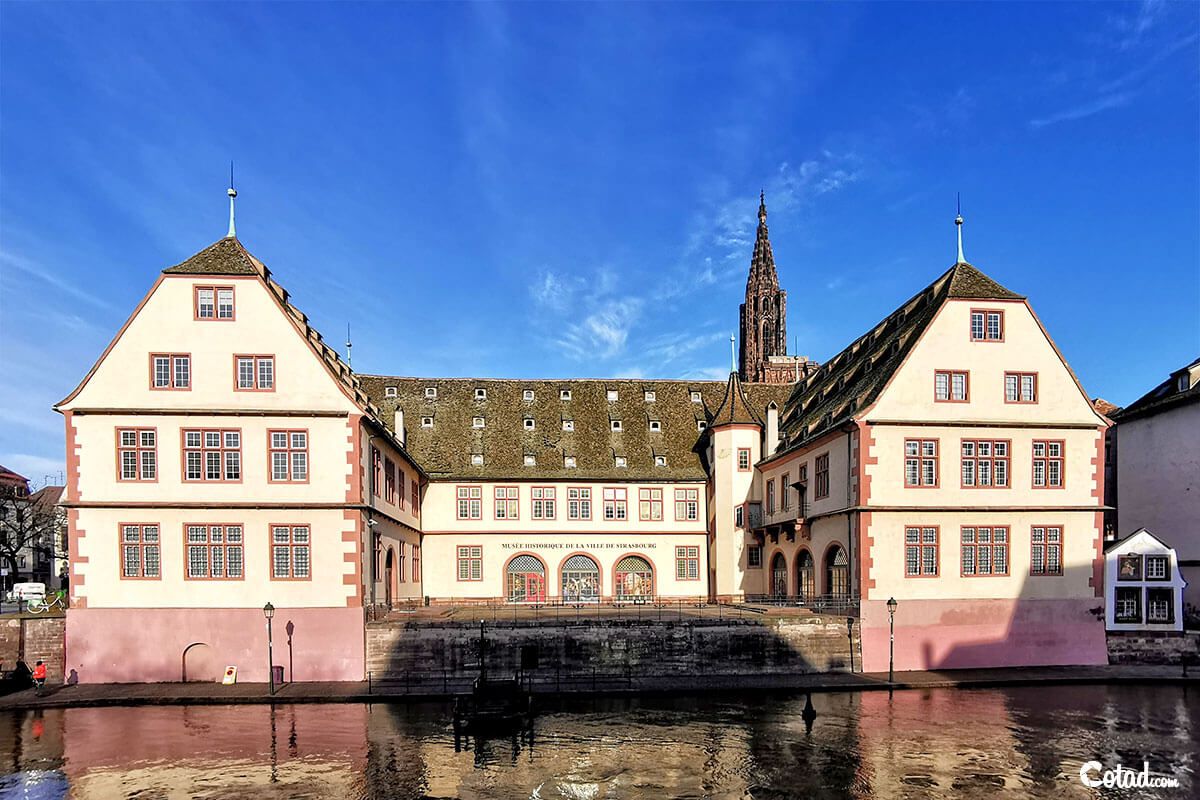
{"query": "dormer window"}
{"type": "Point", "coordinates": [431, 393]}
{"type": "Point", "coordinates": [530, 461]}
{"type": "Point", "coordinates": [426, 422]}
{"type": "Point", "coordinates": [620, 461]}
{"type": "Point", "coordinates": [660, 461]}
{"type": "Point", "coordinates": [477, 459]}
{"type": "Point", "coordinates": [477, 422]}
{"type": "Point", "coordinates": [527, 395]}
{"type": "Point", "coordinates": [649, 396]}
{"type": "Point", "coordinates": [612, 395]}
{"type": "Point", "coordinates": [655, 426]}
{"type": "Point", "coordinates": [568, 424]}
{"type": "Point", "coordinates": [701, 425]}
{"type": "Point", "coordinates": [569, 462]}
{"type": "Point", "coordinates": [1184, 382]}
{"type": "Point", "coordinates": [564, 394]}
{"type": "Point", "coordinates": [481, 394]}
{"type": "Point", "coordinates": [616, 425]}
{"type": "Point", "coordinates": [696, 398]}
{"type": "Point", "coordinates": [390, 391]}
{"type": "Point", "coordinates": [529, 423]}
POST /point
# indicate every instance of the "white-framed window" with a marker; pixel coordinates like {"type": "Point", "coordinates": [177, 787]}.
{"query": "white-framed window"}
{"type": "Point", "coordinates": [477, 422]}
{"type": "Point", "coordinates": [620, 461]}
{"type": "Point", "coordinates": [389, 391]}
{"type": "Point", "coordinates": [527, 395]}
{"type": "Point", "coordinates": [568, 424]}
{"type": "Point", "coordinates": [616, 424]}
{"type": "Point", "coordinates": [1158, 568]}
{"type": "Point", "coordinates": [569, 462]}
{"type": "Point", "coordinates": [648, 396]}
{"type": "Point", "coordinates": [476, 459]}
{"type": "Point", "coordinates": [481, 394]}
{"type": "Point", "coordinates": [564, 394]}
{"type": "Point", "coordinates": [701, 426]}
{"type": "Point", "coordinates": [611, 394]}
{"type": "Point", "coordinates": [426, 422]}
{"type": "Point", "coordinates": [660, 461]}
{"type": "Point", "coordinates": [696, 397]}
{"type": "Point", "coordinates": [529, 423]}
{"type": "Point", "coordinates": [530, 461]}
{"type": "Point", "coordinates": [739, 518]}
{"type": "Point", "coordinates": [655, 425]}
{"type": "Point", "coordinates": [431, 393]}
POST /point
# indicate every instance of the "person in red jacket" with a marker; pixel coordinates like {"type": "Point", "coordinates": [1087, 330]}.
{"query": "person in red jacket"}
{"type": "Point", "coordinates": [39, 677]}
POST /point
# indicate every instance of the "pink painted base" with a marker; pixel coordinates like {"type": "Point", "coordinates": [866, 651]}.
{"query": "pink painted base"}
{"type": "Point", "coordinates": [968, 634]}
{"type": "Point", "coordinates": [148, 645]}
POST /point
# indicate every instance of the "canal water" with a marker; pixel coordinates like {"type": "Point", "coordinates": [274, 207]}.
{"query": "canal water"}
{"type": "Point", "coordinates": [1004, 743]}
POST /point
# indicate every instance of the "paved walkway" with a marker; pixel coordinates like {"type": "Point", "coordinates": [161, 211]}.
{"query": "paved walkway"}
{"type": "Point", "coordinates": [134, 694]}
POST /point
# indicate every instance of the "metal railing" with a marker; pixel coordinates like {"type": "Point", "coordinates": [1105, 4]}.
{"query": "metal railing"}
{"type": "Point", "coordinates": [818, 604]}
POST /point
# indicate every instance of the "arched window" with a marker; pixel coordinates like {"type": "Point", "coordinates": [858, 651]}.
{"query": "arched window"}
{"type": "Point", "coordinates": [526, 580]}
{"type": "Point", "coordinates": [634, 578]}
{"type": "Point", "coordinates": [580, 580]}
{"type": "Point", "coordinates": [806, 578]}
{"type": "Point", "coordinates": [779, 576]}
{"type": "Point", "coordinates": [837, 572]}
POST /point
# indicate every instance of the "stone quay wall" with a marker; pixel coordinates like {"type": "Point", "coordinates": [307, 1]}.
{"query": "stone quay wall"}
{"type": "Point", "coordinates": [31, 639]}
{"type": "Point", "coordinates": [552, 652]}
{"type": "Point", "coordinates": [1153, 647]}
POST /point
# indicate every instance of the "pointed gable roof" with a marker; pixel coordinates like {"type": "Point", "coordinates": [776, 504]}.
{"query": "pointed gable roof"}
{"type": "Point", "coordinates": [224, 257]}
{"type": "Point", "coordinates": [735, 409]}
{"type": "Point", "coordinates": [853, 379]}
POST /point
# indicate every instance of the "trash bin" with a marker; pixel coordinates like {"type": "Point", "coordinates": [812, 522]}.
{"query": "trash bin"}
{"type": "Point", "coordinates": [278, 674]}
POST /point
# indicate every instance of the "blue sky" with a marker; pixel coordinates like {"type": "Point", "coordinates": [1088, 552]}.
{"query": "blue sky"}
{"type": "Point", "coordinates": [569, 190]}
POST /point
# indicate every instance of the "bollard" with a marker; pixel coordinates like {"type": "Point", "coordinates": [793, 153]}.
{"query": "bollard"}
{"type": "Point", "coordinates": [368, 682]}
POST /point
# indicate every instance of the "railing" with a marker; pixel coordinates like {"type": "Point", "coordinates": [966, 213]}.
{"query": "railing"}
{"type": "Point", "coordinates": [818, 604]}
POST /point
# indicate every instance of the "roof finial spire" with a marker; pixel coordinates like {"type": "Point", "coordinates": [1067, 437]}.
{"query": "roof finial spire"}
{"type": "Point", "coordinates": [958, 222]}
{"type": "Point", "coordinates": [232, 192]}
{"type": "Point", "coordinates": [762, 206]}
{"type": "Point", "coordinates": [349, 347]}
{"type": "Point", "coordinates": [732, 355]}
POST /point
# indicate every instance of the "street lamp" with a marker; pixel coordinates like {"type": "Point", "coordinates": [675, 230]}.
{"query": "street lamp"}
{"type": "Point", "coordinates": [268, 612]}
{"type": "Point", "coordinates": [891, 607]}
{"type": "Point", "coordinates": [850, 636]}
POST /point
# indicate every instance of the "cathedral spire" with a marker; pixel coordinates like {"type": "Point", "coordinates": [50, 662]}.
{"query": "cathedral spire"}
{"type": "Point", "coordinates": [762, 263]}
{"type": "Point", "coordinates": [763, 317]}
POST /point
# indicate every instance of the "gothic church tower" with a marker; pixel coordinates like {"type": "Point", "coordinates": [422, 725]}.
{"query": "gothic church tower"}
{"type": "Point", "coordinates": [764, 314]}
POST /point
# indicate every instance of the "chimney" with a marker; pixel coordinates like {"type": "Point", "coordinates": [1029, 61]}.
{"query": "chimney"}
{"type": "Point", "coordinates": [772, 430]}
{"type": "Point", "coordinates": [398, 426]}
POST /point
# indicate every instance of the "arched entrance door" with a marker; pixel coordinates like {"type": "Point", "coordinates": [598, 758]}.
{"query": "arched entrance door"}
{"type": "Point", "coordinates": [526, 580]}
{"type": "Point", "coordinates": [806, 578]}
{"type": "Point", "coordinates": [389, 576]}
{"type": "Point", "coordinates": [580, 580]}
{"type": "Point", "coordinates": [633, 579]}
{"type": "Point", "coordinates": [837, 572]}
{"type": "Point", "coordinates": [779, 576]}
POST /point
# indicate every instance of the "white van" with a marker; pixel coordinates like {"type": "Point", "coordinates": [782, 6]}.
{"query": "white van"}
{"type": "Point", "coordinates": [27, 592]}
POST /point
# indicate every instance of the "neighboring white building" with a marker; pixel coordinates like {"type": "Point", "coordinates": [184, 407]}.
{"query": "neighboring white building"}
{"type": "Point", "coordinates": [1143, 586]}
{"type": "Point", "coordinates": [1158, 468]}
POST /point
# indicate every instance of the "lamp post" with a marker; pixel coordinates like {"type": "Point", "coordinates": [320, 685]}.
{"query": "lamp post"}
{"type": "Point", "coordinates": [268, 612]}
{"type": "Point", "coordinates": [891, 607]}
{"type": "Point", "coordinates": [850, 636]}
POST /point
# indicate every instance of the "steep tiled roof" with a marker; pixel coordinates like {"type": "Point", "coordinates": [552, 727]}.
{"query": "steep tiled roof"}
{"type": "Point", "coordinates": [735, 408]}
{"type": "Point", "coordinates": [445, 449]}
{"type": "Point", "coordinates": [1164, 396]}
{"type": "Point", "coordinates": [225, 257]}
{"type": "Point", "coordinates": [853, 379]}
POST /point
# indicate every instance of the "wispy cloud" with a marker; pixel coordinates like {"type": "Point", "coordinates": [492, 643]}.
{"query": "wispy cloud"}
{"type": "Point", "coordinates": [604, 332]}
{"type": "Point", "coordinates": [28, 267]}
{"type": "Point", "coordinates": [1084, 110]}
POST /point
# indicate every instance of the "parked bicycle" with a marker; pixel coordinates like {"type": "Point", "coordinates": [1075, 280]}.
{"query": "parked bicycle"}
{"type": "Point", "coordinates": [57, 602]}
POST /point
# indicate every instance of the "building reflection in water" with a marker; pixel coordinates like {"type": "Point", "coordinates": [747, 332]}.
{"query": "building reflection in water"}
{"type": "Point", "coordinates": [991, 744]}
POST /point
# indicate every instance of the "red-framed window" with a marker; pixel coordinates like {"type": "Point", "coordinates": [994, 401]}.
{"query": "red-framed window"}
{"type": "Point", "coordinates": [687, 563]}
{"type": "Point", "coordinates": [400, 483]}
{"type": "Point", "coordinates": [650, 504]}
{"type": "Point", "coordinates": [141, 551]}
{"type": "Point", "coordinates": [470, 502]}
{"type": "Point", "coordinates": [1020, 387]}
{"type": "Point", "coordinates": [376, 471]}
{"type": "Point", "coordinates": [615, 503]}
{"type": "Point", "coordinates": [416, 563]}
{"type": "Point", "coordinates": [743, 459]}
{"type": "Point", "coordinates": [253, 373]}
{"type": "Point", "coordinates": [544, 501]}
{"type": "Point", "coordinates": [213, 303]}
{"type": "Point", "coordinates": [921, 468]}
{"type": "Point", "coordinates": [579, 502]}
{"type": "Point", "coordinates": [985, 463]}
{"type": "Point", "coordinates": [921, 551]}
{"type": "Point", "coordinates": [951, 386]}
{"type": "Point", "coordinates": [784, 486]}
{"type": "Point", "coordinates": [400, 563]}
{"type": "Point", "coordinates": [1046, 550]}
{"type": "Point", "coordinates": [771, 496]}
{"type": "Point", "coordinates": [470, 562]}
{"type": "Point", "coordinates": [416, 496]}
{"type": "Point", "coordinates": [211, 455]}
{"type": "Point", "coordinates": [508, 504]}
{"type": "Point", "coordinates": [687, 505]}
{"type": "Point", "coordinates": [987, 325]}
{"type": "Point", "coordinates": [389, 480]}
{"type": "Point", "coordinates": [984, 550]}
{"type": "Point", "coordinates": [288, 454]}
{"type": "Point", "coordinates": [821, 476]}
{"type": "Point", "coordinates": [170, 371]}
{"type": "Point", "coordinates": [291, 552]}
{"type": "Point", "coordinates": [214, 552]}
{"type": "Point", "coordinates": [1048, 455]}
{"type": "Point", "coordinates": [137, 454]}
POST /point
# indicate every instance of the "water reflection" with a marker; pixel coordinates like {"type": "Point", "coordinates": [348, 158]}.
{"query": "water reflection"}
{"type": "Point", "coordinates": [994, 744]}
